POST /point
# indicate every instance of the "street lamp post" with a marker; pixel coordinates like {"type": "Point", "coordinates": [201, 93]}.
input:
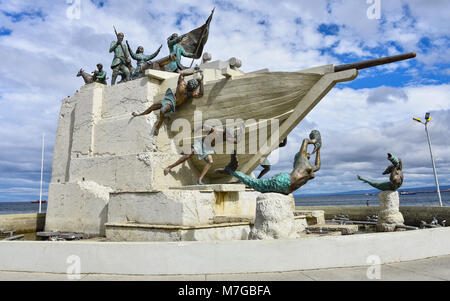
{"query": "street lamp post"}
{"type": "Point", "coordinates": [427, 119]}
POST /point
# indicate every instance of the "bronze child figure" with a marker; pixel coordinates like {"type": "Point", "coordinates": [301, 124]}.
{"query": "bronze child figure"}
{"type": "Point", "coordinates": [266, 164]}
{"type": "Point", "coordinates": [185, 91]}
{"type": "Point", "coordinates": [204, 148]}
{"type": "Point", "coordinates": [282, 183]}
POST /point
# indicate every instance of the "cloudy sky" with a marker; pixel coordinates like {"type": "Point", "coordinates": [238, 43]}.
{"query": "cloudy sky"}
{"type": "Point", "coordinates": [44, 43]}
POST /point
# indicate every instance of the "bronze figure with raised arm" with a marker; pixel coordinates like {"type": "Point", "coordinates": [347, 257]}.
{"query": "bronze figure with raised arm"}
{"type": "Point", "coordinates": [185, 91]}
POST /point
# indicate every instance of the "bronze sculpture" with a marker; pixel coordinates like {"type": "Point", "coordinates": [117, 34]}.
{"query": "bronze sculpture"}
{"type": "Point", "coordinates": [204, 148]}
{"type": "Point", "coordinates": [395, 178]}
{"type": "Point", "coordinates": [192, 89]}
{"type": "Point", "coordinates": [88, 79]}
{"type": "Point", "coordinates": [141, 60]}
{"type": "Point", "coordinates": [282, 183]}
{"type": "Point", "coordinates": [175, 48]}
{"type": "Point", "coordinates": [188, 45]}
{"type": "Point", "coordinates": [266, 164]}
{"type": "Point", "coordinates": [99, 75]}
{"type": "Point", "coordinates": [121, 64]}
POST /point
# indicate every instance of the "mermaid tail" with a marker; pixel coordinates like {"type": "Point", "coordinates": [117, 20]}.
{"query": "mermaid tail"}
{"type": "Point", "coordinates": [279, 183]}
{"type": "Point", "coordinates": [378, 185]}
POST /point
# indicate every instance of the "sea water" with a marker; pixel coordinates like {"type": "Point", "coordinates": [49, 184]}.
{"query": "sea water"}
{"type": "Point", "coordinates": [20, 207]}
{"type": "Point", "coordinates": [419, 199]}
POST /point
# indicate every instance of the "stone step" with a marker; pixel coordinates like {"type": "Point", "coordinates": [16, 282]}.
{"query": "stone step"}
{"type": "Point", "coordinates": [219, 219]}
{"type": "Point", "coordinates": [344, 229]}
{"type": "Point", "coordinates": [313, 217]}
{"type": "Point", "coordinates": [151, 232]}
{"type": "Point", "coordinates": [213, 187]}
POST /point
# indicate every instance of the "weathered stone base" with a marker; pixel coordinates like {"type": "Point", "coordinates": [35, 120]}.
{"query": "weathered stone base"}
{"type": "Point", "coordinates": [77, 207]}
{"type": "Point", "coordinates": [389, 216]}
{"type": "Point", "coordinates": [147, 232]}
{"type": "Point", "coordinates": [274, 217]}
{"type": "Point", "coordinates": [234, 228]}
{"type": "Point", "coordinates": [182, 206]}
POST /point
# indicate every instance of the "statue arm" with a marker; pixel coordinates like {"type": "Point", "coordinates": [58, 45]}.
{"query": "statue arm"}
{"type": "Point", "coordinates": [132, 54]}
{"type": "Point", "coordinates": [199, 93]}
{"type": "Point", "coordinates": [304, 147]}
{"type": "Point", "coordinates": [146, 112]}
{"type": "Point", "coordinates": [317, 164]}
{"type": "Point", "coordinates": [175, 41]}
{"type": "Point", "coordinates": [180, 79]}
{"type": "Point", "coordinates": [101, 75]}
{"type": "Point", "coordinates": [389, 169]}
{"type": "Point", "coordinates": [152, 56]}
{"type": "Point", "coordinates": [185, 53]}
{"type": "Point", "coordinates": [113, 46]}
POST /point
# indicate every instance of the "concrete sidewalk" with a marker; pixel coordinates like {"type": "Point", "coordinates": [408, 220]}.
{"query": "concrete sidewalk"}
{"type": "Point", "coordinates": [432, 269]}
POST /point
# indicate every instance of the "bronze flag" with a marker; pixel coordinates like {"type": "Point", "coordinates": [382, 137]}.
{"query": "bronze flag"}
{"type": "Point", "coordinates": [196, 39]}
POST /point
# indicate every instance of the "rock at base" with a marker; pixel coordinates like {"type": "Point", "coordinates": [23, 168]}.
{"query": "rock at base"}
{"type": "Point", "coordinates": [389, 216]}
{"type": "Point", "coordinates": [274, 217]}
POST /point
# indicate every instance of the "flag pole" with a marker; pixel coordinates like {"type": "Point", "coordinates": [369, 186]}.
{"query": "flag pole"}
{"type": "Point", "coordinates": [42, 173]}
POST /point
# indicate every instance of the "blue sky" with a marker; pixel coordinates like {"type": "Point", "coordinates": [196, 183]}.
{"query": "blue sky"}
{"type": "Point", "coordinates": [43, 49]}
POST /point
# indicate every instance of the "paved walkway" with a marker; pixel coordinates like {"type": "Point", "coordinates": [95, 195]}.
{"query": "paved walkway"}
{"type": "Point", "coordinates": [432, 269]}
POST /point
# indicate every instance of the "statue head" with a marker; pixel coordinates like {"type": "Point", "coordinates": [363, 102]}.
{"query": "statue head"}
{"type": "Point", "coordinates": [192, 84]}
{"type": "Point", "coordinates": [99, 67]}
{"type": "Point", "coordinates": [120, 36]}
{"type": "Point", "coordinates": [140, 49]}
{"type": "Point", "coordinates": [173, 36]}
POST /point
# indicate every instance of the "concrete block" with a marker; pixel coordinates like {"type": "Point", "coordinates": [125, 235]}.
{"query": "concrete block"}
{"type": "Point", "coordinates": [147, 232]}
{"type": "Point", "coordinates": [77, 207]}
{"type": "Point", "coordinates": [124, 135]}
{"type": "Point", "coordinates": [120, 173]}
{"type": "Point", "coordinates": [167, 207]}
{"type": "Point", "coordinates": [300, 223]}
{"type": "Point", "coordinates": [87, 113]}
{"type": "Point", "coordinates": [125, 98]}
{"type": "Point", "coordinates": [314, 217]}
{"type": "Point", "coordinates": [63, 141]}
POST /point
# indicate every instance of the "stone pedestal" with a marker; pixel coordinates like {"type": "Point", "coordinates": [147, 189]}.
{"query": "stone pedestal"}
{"type": "Point", "coordinates": [389, 216]}
{"type": "Point", "coordinates": [274, 217]}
